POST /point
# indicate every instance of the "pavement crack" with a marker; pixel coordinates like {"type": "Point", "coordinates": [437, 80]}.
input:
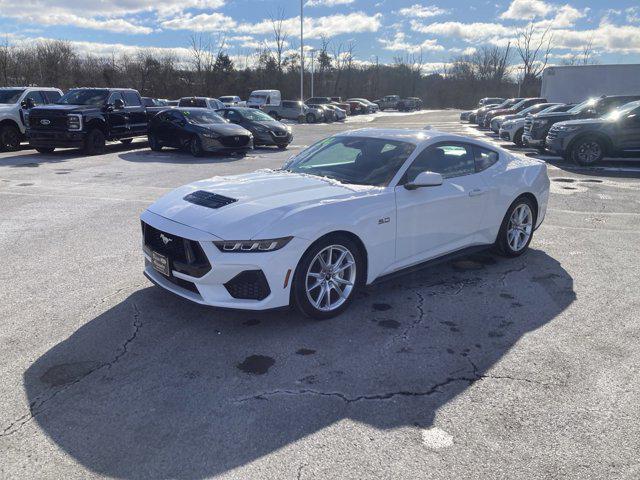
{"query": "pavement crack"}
{"type": "Point", "coordinates": [39, 405]}
{"type": "Point", "coordinates": [504, 274]}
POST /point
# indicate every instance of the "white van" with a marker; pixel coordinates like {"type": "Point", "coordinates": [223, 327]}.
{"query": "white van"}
{"type": "Point", "coordinates": [258, 98]}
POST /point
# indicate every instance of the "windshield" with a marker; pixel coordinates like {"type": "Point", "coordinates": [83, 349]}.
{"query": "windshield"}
{"type": "Point", "coordinates": [203, 117]}
{"type": "Point", "coordinates": [253, 114]}
{"type": "Point", "coordinates": [622, 111]}
{"type": "Point", "coordinates": [256, 96]}
{"type": "Point", "coordinates": [10, 96]}
{"type": "Point", "coordinates": [583, 106]}
{"type": "Point", "coordinates": [537, 108]}
{"type": "Point", "coordinates": [353, 160]}
{"type": "Point", "coordinates": [84, 97]}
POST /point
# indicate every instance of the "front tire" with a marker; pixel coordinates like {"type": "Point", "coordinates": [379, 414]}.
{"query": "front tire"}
{"type": "Point", "coordinates": [327, 277]}
{"type": "Point", "coordinates": [45, 149]}
{"type": "Point", "coordinates": [154, 143]}
{"type": "Point", "coordinates": [9, 138]}
{"type": "Point", "coordinates": [195, 147]}
{"type": "Point", "coordinates": [283, 147]}
{"type": "Point", "coordinates": [126, 141]}
{"type": "Point", "coordinates": [517, 227]}
{"type": "Point", "coordinates": [517, 138]}
{"type": "Point", "coordinates": [94, 143]}
{"type": "Point", "coordinates": [587, 151]}
{"type": "Point", "coordinates": [311, 118]}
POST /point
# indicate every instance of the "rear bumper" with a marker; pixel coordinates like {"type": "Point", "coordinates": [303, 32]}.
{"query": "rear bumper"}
{"type": "Point", "coordinates": [55, 139]}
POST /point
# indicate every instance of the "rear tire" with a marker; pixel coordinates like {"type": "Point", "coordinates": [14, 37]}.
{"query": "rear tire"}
{"type": "Point", "coordinates": [587, 151]}
{"type": "Point", "coordinates": [9, 138]}
{"type": "Point", "coordinates": [316, 294]}
{"type": "Point", "coordinates": [45, 149]}
{"type": "Point", "coordinates": [310, 118]}
{"type": "Point", "coordinates": [94, 143]}
{"type": "Point", "coordinates": [517, 138]}
{"type": "Point", "coordinates": [517, 228]}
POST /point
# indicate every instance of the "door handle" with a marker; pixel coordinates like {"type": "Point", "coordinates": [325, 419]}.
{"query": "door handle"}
{"type": "Point", "coordinates": [476, 192]}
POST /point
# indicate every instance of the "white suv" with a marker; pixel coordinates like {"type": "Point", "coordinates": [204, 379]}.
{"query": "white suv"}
{"type": "Point", "coordinates": [13, 117]}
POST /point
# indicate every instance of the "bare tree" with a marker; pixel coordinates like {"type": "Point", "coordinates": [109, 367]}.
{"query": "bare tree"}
{"type": "Point", "coordinates": [585, 57]}
{"type": "Point", "coordinates": [279, 37]}
{"type": "Point", "coordinates": [533, 46]}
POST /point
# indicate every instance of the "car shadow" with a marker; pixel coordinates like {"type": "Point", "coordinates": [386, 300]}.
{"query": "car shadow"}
{"type": "Point", "coordinates": [158, 387]}
{"type": "Point", "coordinates": [175, 155]}
{"type": "Point", "coordinates": [29, 158]}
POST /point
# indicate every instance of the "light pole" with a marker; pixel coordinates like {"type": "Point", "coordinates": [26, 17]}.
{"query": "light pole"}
{"type": "Point", "coordinates": [301, 58]}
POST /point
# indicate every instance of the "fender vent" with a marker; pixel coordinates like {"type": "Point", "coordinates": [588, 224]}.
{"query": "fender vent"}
{"type": "Point", "coordinates": [208, 199]}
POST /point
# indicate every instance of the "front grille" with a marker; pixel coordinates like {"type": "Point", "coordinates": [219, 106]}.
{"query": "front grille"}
{"type": "Point", "coordinates": [57, 120]}
{"type": "Point", "coordinates": [552, 134]}
{"type": "Point", "coordinates": [249, 285]}
{"type": "Point", "coordinates": [185, 256]}
{"type": "Point", "coordinates": [235, 141]}
{"type": "Point", "coordinates": [504, 135]}
{"type": "Point", "coordinates": [208, 199]}
{"type": "Point", "coordinates": [279, 134]}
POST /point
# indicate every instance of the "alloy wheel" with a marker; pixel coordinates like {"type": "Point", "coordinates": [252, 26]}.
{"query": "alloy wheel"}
{"type": "Point", "coordinates": [520, 227]}
{"type": "Point", "coordinates": [330, 278]}
{"type": "Point", "coordinates": [589, 152]}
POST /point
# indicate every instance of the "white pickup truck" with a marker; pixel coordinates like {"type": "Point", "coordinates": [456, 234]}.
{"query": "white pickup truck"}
{"type": "Point", "coordinates": [14, 104]}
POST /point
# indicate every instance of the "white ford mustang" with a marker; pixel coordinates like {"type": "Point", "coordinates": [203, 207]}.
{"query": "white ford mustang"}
{"type": "Point", "coordinates": [345, 212]}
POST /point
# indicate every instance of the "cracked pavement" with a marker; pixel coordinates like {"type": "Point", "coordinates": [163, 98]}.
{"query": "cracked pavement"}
{"type": "Point", "coordinates": [527, 367]}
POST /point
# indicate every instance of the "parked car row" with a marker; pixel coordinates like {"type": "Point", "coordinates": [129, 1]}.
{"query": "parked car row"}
{"type": "Point", "coordinates": [584, 133]}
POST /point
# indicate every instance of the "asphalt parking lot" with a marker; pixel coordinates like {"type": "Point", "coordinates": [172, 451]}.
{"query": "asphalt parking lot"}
{"type": "Point", "coordinates": [480, 368]}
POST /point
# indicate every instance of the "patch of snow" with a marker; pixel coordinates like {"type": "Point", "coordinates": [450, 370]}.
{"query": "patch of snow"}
{"type": "Point", "coordinates": [435, 438]}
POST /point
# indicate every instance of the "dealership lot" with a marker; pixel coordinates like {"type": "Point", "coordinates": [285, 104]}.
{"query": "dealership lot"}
{"type": "Point", "coordinates": [482, 367]}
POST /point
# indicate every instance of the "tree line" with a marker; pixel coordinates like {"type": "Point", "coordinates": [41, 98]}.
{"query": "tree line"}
{"type": "Point", "coordinates": [209, 70]}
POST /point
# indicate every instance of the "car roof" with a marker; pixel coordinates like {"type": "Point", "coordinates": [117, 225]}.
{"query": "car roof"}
{"type": "Point", "coordinates": [417, 137]}
{"type": "Point", "coordinates": [31, 88]}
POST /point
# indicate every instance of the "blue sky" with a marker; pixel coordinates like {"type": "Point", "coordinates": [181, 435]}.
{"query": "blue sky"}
{"type": "Point", "coordinates": [439, 30]}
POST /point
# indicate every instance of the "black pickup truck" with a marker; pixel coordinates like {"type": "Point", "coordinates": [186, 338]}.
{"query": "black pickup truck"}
{"type": "Point", "coordinates": [87, 118]}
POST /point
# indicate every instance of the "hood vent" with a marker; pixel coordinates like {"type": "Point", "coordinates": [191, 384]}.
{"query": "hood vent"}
{"type": "Point", "coordinates": [208, 199]}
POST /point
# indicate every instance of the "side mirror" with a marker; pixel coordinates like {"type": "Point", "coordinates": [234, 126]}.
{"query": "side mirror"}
{"type": "Point", "coordinates": [27, 103]}
{"type": "Point", "coordinates": [118, 104]}
{"type": "Point", "coordinates": [425, 179]}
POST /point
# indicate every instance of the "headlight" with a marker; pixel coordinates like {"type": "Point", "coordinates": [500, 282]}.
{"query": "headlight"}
{"type": "Point", "coordinates": [288, 127]}
{"type": "Point", "coordinates": [210, 135]}
{"type": "Point", "coordinates": [566, 128]}
{"type": "Point", "coordinates": [248, 246]}
{"type": "Point", "coordinates": [507, 124]}
{"type": "Point", "coordinates": [74, 122]}
{"type": "Point", "coordinates": [261, 129]}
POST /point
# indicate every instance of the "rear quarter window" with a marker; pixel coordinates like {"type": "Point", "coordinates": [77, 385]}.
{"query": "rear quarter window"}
{"type": "Point", "coordinates": [484, 158]}
{"type": "Point", "coordinates": [51, 96]}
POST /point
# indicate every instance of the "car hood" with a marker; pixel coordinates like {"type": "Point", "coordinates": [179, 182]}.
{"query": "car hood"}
{"type": "Point", "coordinates": [64, 108]}
{"type": "Point", "coordinates": [584, 122]}
{"type": "Point", "coordinates": [261, 199]}
{"type": "Point", "coordinates": [225, 129]}
{"type": "Point", "coordinates": [557, 116]}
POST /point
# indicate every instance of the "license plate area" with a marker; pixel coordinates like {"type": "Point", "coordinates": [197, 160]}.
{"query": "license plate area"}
{"type": "Point", "coordinates": [160, 263]}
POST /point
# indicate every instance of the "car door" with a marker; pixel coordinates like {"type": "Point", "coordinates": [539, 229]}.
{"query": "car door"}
{"type": "Point", "coordinates": [136, 113]}
{"type": "Point", "coordinates": [432, 221]}
{"type": "Point", "coordinates": [629, 132]}
{"type": "Point", "coordinates": [117, 118]}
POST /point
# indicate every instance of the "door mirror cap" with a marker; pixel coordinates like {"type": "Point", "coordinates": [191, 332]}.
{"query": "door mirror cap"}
{"type": "Point", "coordinates": [425, 179]}
{"type": "Point", "coordinates": [118, 104]}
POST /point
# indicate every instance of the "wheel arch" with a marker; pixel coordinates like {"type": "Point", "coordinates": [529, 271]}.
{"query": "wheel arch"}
{"type": "Point", "coordinates": [531, 197]}
{"type": "Point", "coordinates": [9, 122]}
{"type": "Point", "coordinates": [98, 123]}
{"type": "Point", "coordinates": [608, 144]}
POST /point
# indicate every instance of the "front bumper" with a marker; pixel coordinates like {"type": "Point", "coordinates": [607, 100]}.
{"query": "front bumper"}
{"type": "Point", "coordinates": [234, 280]}
{"type": "Point", "coordinates": [212, 145]}
{"type": "Point", "coordinates": [270, 138]}
{"type": "Point", "coordinates": [556, 144]}
{"type": "Point", "coordinates": [55, 139]}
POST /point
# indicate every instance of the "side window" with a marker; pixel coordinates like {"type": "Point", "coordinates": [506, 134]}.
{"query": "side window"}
{"type": "Point", "coordinates": [233, 116]}
{"type": "Point", "coordinates": [484, 158]}
{"type": "Point", "coordinates": [176, 117]}
{"type": "Point", "coordinates": [131, 99]}
{"type": "Point", "coordinates": [114, 96]}
{"type": "Point", "coordinates": [449, 160]}
{"type": "Point", "coordinates": [51, 96]}
{"type": "Point", "coordinates": [36, 97]}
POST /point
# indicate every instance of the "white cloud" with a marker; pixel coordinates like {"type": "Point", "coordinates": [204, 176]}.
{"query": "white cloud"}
{"type": "Point", "coordinates": [329, 26]}
{"type": "Point", "coordinates": [422, 11]}
{"type": "Point", "coordinates": [399, 43]}
{"type": "Point", "coordinates": [633, 14]}
{"type": "Point", "coordinates": [473, 32]}
{"type": "Point", "coordinates": [327, 3]}
{"type": "Point", "coordinates": [527, 9]}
